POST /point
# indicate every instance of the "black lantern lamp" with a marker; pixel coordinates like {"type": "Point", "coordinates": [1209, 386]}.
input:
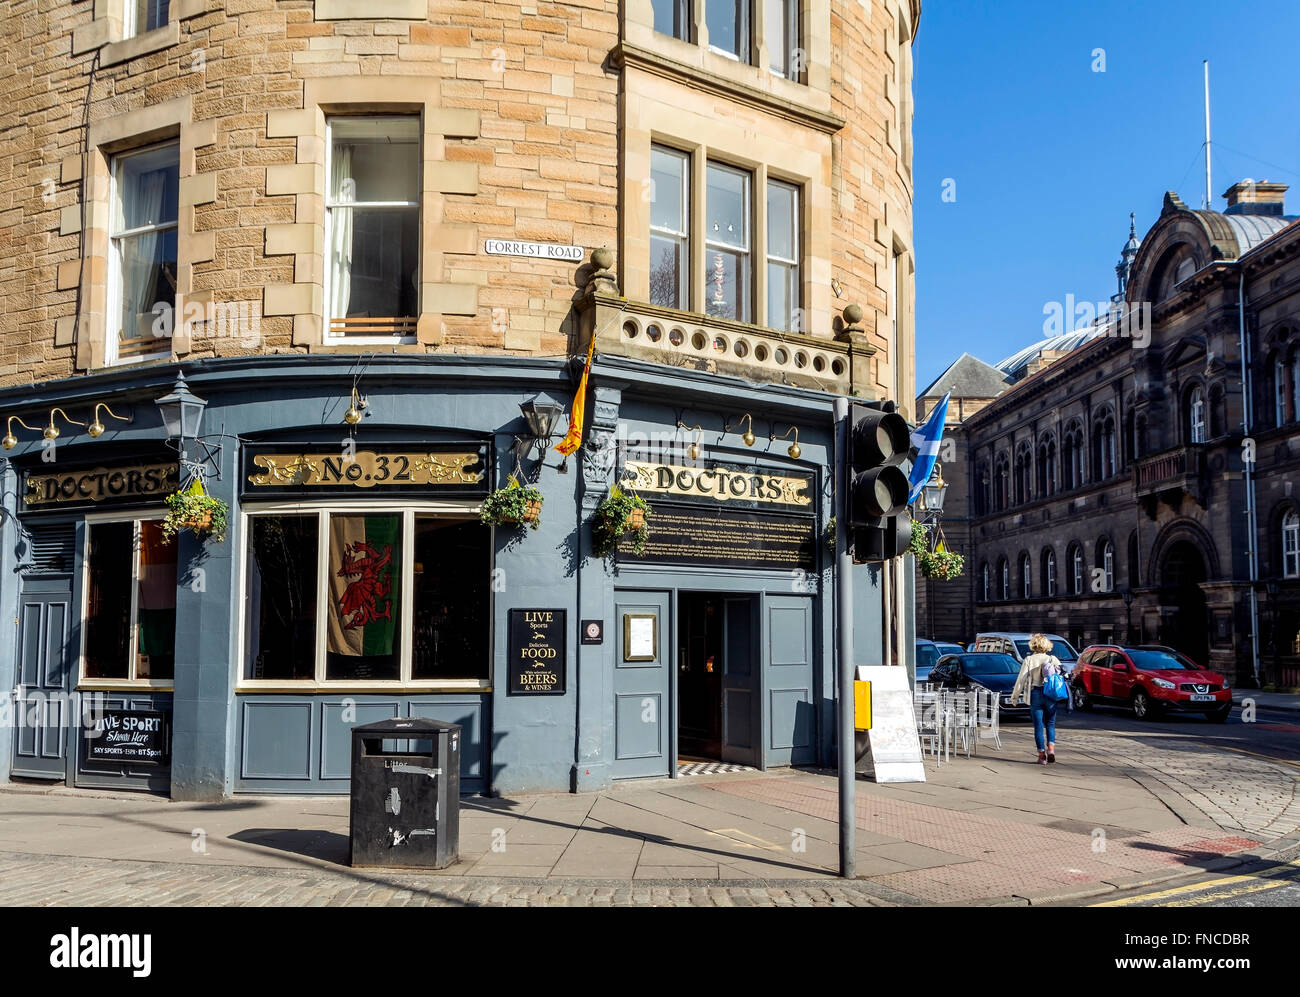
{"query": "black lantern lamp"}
{"type": "Point", "coordinates": [182, 413]}
{"type": "Point", "coordinates": [934, 491]}
{"type": "Point", "coordinates": [542, 416]}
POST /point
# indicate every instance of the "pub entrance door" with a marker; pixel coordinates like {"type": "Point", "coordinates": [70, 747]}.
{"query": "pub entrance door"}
{"type": "Point", "coordinates": [718, 678]}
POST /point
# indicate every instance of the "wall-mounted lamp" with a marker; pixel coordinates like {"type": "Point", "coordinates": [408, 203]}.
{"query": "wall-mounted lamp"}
{"type": "Point", "coordinates": [693, 451]}
{"type": "Point", "coordinates": [10, 440]}
{"type": "Point", "coordinates": [51, 431]}
{"type": "Point", "coordinates": [542, 417]}
{"type": "Point", "coordinates": [182, 412]}
{"type": "Point", "coordinates": [96, 429]}
{"type": "Point", "coordinates": [353, 415]}
{"type": "Point", "coordinates": [934, 490]}
{"type": "Point", "coordinates": [749, 433]}
{"type": "Point", "coordinates": [794, 450]}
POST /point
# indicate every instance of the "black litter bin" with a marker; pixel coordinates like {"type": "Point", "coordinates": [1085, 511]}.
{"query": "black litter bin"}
{"type": "Point", "coordinates": [405, 793]}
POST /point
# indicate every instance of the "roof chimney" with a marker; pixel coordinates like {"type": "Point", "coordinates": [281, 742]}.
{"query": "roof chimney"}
{"type": "Point", "coordinates": [1251, 197]}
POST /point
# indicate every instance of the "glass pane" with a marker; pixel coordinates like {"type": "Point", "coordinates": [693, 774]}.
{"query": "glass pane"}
{"type": "Point", "coordinates": [150, 14]}
{"type": "Point", "coordinates": [281, 598]}
{"type": "Point", "coordinates": [670, 17]}
{"type": "Point", "coordinates": [362, 635]}
{"type": "Point", "coordinates": [779, 42]}
{"type": "Point", "coordinates": [782, 297]}
{"type": "Point", "coordinates": [108, 600]}
{"type": "Point", "coordinates": [781, 223]}
{"type": "Point", "coordinates": [667, 204]}
{"type": "Point", "coordinates": [374, 262]}
{"type": "Point", "coordinates": [727, 285]}
{"type": "Point", "coordinates": [148, 264]}
{"type": "Point", "coordinates": [155, 656]}
{"type": "Point", "coordinates": [728, 24]}
{"type": "Point", "coordinates": [375, 159]}
{"type": "Point", "coordinates": [728, 206]}
{"type": "Point", "coordinates": [147, 188]}
{"type": "Point", "coordinates": [667, 272]}
{"type": "Point", "coordinates": [452, 602]}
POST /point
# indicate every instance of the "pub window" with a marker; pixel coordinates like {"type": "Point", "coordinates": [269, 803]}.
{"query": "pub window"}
{"type": "Point", "coordinates": [358, 597]}
{"type": "Point", "coordinates": [372, 227]}
{"type": "Point", "coordinates": [782, 27]}
{"type": "Point", "coordinates": [728, 22]}
{"type": "Point", "coordinates": [672, 17]}
{"type": "Point", "coordinates": [144, 15]}
{"type": "Point", "coordinates": [670, 257]}
{"type": "Point", "coordinates": [130, 612]}
{"type": "Point", "coordinates": [728, 272]}
{"type": "Point", "coordinates": [142, 280]}
{"type": "Point", "coordinates": [783, 279]}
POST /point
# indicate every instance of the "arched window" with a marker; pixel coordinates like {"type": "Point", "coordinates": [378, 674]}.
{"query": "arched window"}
{"type": "Point", "coordinates": [1026, 577]}
{"type": "Point", "coordinates": [984, 582]}
{"type": "Point", "coordinates": [1133, 568]}
{"type": "Point", "coordinates": [1218, 412]}
{"type": "Point", "coordinates": [982, 506]}
{"type": "Point", "coordinates": [1073, 458]}
{"type": "Point", "coordinates": [1004, 580]}
{"type": "Point", "coordinates": [1196, 416]}
{"type": "Point", "coordinates": [1103, 449]}
{"type": "Point", "coordinates": [1106, 561]}
{"type": "Point", "coordinates": [1291, 545]}
{"type": "Point", "coordinates": [1001, 483]}
{"type": "Point", "coordinates": [1047, 468]}
{"type": "Point", "coordinates": [1076, 569]}
{"type": "Point", "coordinates": [1023, 471]}
{"type": "Point", "coordinates": [1049, 573]}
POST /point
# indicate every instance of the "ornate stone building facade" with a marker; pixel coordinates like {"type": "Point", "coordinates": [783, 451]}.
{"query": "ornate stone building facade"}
{"type": "Point", "coordinates": [1139, 484]}
{"type": "Point", "coordinates": [372, 231]}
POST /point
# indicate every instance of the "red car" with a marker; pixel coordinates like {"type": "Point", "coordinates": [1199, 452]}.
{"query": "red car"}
{"type": "Point", "coordinates": [1148, 681]}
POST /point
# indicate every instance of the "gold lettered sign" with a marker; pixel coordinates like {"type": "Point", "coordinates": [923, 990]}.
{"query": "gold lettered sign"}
{"type": "Point", "coordinates": [537, 652]}
{"type": "Point", "coordinates": [101, 484]}
{"type": "Point", "coordinates": [366, 469]}
{"type": "Point", "coordinates": [719, 484]}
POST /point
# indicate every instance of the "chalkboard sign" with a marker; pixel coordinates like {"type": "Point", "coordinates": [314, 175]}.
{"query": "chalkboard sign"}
{"type": "Point", "coordinates": [129, 737]}
{"type": "Point", "coordinates": [537, 652]}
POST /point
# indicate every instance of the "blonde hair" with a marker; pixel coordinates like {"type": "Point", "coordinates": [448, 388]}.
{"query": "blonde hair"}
{"type": "Point", "coordinates": [1040, 644]}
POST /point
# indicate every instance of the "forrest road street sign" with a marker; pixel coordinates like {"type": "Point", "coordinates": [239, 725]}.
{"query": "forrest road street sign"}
{"type": "Point", "coordinates": [533, 250]}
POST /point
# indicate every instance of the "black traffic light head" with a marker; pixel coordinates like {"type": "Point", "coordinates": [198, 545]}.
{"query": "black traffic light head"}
{"type": "Point", "coordinates": [888, 539]}
{"type": "Point", "coordinates": [879, 441]}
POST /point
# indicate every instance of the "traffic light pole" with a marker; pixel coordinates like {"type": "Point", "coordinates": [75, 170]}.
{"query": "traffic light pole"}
{"type": "Point", "coordinates": [844, 638]}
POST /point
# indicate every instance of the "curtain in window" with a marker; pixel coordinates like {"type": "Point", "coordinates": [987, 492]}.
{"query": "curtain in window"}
{"type": "Point", "coordinates": [340, 250]}
{"type": "Point", "coordinates": [139, 264]}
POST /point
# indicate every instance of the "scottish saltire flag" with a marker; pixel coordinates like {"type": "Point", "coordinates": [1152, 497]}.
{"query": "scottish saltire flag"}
{"type": "Point", "coordinates": [927, 440]}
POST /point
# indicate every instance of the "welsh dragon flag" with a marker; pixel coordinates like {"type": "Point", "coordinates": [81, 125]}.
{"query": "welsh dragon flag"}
{"type": "Point", "coordinates": [365, 554]}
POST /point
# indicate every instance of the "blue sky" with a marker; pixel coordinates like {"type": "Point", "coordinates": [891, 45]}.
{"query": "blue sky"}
{"type": "Point", "coordinates": [1049, 157]}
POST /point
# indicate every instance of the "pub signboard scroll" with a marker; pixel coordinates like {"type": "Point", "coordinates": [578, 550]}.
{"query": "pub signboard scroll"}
{"type": "Point", "coordinates": [537, 652]}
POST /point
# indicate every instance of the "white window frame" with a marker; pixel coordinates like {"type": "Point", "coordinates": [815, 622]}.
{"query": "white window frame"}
{"type": "Point", "coordinates": [791, 266]}
{"type": "Point", "coordinates": [683, 236]}
{"type": "Point", "coordinates": [116, 274]}
{"type": "Point", "coordinates": [1026, 577]}
{"type": "Point", "coordinates": [790, 23]}
{"type": "Point", "coordinates": [1076, 570]}
{"type": "Point", "coordinates": [1108, 566]}
{"type": "Point", "coordinates": [131, 682]}
{"type": "Point", "coordinates": [130, 27]}
{"type": "Point", "coordinates": [330, 337]}
{"type": "Point", "coordinates": [745, 252]}
{"type": "Point", "coordinates": [746, 36]}
{"type": "Point", "coordinates": [407, 510]}
{"type": "Point", "coordinates": [1051, 574]}
{"type": "Point", "coordinates": [1291, 545]}
{"type": "Point", "coordinates": [1006, 580]}
{"type": "Point", "coordinates": [1196, 415]}
{"type": "Point", "coordinates": [1280, 377]}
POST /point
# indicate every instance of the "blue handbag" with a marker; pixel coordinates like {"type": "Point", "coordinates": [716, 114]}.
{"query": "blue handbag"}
{"type": "Point", "coordinates": [1054, 687]}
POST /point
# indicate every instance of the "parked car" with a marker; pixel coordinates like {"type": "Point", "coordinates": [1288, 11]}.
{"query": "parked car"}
{"type": "Point", "coordinates": [1017, 645]}
{"type": "Point", "coordinates": [1149, 682]}
{"type": "Point", "coordinates": [927, 656]}
{"type": "Point", "coordinates": [947, 648]}
{"type": "Point", "coordinates": [993, 671]}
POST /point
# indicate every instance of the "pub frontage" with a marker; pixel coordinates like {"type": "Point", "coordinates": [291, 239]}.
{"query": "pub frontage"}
{"type": "Point", "coordinates": [356, 582]}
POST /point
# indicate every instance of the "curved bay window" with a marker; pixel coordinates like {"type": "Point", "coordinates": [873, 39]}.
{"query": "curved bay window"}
{"type": "Point", "coordinates": [130, 603]}
{"type": "Point", "coordinates": [360, 597]}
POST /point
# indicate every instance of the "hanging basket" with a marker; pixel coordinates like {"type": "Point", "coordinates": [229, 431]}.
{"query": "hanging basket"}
{"type": "Point", "coordinates": [193, 509]}
{"type": "Point", "coordinates": [513, 505]}
{"type": "Point", "coordinates": [621, 515]}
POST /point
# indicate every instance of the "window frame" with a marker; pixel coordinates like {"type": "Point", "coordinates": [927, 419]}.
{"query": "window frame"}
{"type": "Point", "coordinates": [792, 267]}
{"type": "Point", "coordinates": [1026, 576]}
{"type": "Point", "coordinates": [1049, 573]}
{"type": "Point", "coordinates": [687, 159]}
{"type": "Point", "coordinates": [130, 29]}
{"type": "Point", "coordinates": [1196, 415]}
{"type": "Point", "coordinates": [407, 510]}
{"type": "Point", "coordinates": [744, 32]}
{"type": "Point", "coordinates": [84, 681]}
{"type": "Point", "coordinates": [1290, 537]}
{"type": "Point", "coordinates": [790, 24]}
{"type": "Point", "coordinates": [1107, 566]}
{"type": "Point", "coordinates": [328, 336]}
{"type": "Point", "coordinates": [682, 14]}
{"type": "Point", "coordinates": [747, 253]}
{"type": "Point", "coordinates": [984, 581]}
{"type": "Point", "coordinates": [1078, 569]}
{"type": "Point", "coordinates": [116, 272]}
{"type": "Point", "coordinates": [1005, 579]}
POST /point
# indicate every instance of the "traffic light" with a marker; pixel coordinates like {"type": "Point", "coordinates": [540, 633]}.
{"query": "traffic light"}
{"type": "Point", "coordinates": [877, 486]}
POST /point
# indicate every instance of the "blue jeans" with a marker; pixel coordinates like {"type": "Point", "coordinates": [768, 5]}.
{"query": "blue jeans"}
{"type": "Point", "coordinates": [1044, 713]}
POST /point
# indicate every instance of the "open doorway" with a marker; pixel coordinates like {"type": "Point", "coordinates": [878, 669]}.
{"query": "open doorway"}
{"type": "Point", "coordinates": [718, 669]}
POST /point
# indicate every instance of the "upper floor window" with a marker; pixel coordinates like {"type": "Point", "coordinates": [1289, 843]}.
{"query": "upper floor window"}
{"type": "Point", "coordinates": [728, 22]}
{"type": "Point", "coordinates": [1026, 577]}
{"type": "Point", "coordinates": [144, 15]}
{"type": "Point", "coordinates": [1291, 545]}
{"type": "Point", "coordinates": [142, 278]}
{"type": "Point", "coordinates": [372, 227]}
{"type": "Point", "coordinates": [1023, 473]}
{"type": "Point", "coordinates": [1004, 578]}
{"type": "Point", "coordinates": [1001, 483]}
{"type": "Point", "coordinates": [670, 259]}
{"type": "Point", "coordinates": [1107, 566]}
{"type": "Point", "coordinates": [1049, 574]}
{"type": "Point", "coordinates": [1196, 416]}
{"type": "Point", "coordinates": [781, 19]}
{"type": "Point", "coordinates": [672, 17]}
{"type": "Point", "coordinates": [783, 277]}
{"type": "Point", "coordinates": [1076, 570]}
{"type": "Point", "coordinates": [984, 581]}
{"type": "Point", "coordinates": [728, 272]}
{"type": "Point", "coordinates": [1047, 468]}
{"type": "Point", "coordinates": [1104, 461]}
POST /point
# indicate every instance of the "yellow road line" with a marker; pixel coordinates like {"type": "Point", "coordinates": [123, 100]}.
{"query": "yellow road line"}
{"type": "Point", "coordinates": [1178, 891]}
{"type": "Point", "coordinates": [1271, 758]}
{"type": "Point", "coordinates": [1229, 894]}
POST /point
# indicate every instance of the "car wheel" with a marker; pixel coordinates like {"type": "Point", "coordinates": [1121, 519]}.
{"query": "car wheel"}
{"type": "Point", "coordinates": [1081, 699]}
{"type": "Point", "coordinates": [1218, 716]}
{"type": "Point", "coordinates": [1143, 708]}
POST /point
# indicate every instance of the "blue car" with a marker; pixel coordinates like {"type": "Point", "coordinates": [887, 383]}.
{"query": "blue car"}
{"type": "Point", "coordinates": [927, 655]}
{"type": "Point", "coordinates": [997, 672]}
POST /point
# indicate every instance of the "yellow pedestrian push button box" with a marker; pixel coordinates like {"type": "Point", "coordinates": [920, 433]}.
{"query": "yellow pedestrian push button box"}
{"type": "Point", "coordinates": [862, 705]}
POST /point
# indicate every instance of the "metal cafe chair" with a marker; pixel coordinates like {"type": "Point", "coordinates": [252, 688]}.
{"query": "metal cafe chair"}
{"type": "Point", "coordinates": [933, 722]}
{"type": "Point", "coordinates": [988, 718]}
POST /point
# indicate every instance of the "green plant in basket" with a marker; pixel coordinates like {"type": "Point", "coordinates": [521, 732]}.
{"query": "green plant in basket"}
{"type": "Point", "coordinates": [622, 514]}
{"type": "Point", "coordinates": [192, 508]}
{"type": "Point", "coordinates": [515, 504]}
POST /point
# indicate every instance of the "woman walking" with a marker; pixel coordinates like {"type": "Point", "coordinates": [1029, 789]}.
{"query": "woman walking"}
{"type": "Point", "coordinates": [1038, 667]}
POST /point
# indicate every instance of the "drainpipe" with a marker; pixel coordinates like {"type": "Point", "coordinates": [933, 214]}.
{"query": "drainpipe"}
{"type": "Point", "coordinates": [1247, 394]}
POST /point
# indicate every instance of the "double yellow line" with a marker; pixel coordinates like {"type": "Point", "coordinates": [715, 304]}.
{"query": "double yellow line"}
{"type": "Point", "coordinates": [1236, 886]}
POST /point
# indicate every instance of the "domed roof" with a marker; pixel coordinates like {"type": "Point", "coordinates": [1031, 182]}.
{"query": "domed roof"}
{"type": "Point", "coordinates": [1055, 344]}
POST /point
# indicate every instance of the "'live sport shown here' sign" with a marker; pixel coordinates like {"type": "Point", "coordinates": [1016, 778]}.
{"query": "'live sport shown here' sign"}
{"type": "Point", "coordinates": [129, 737]}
